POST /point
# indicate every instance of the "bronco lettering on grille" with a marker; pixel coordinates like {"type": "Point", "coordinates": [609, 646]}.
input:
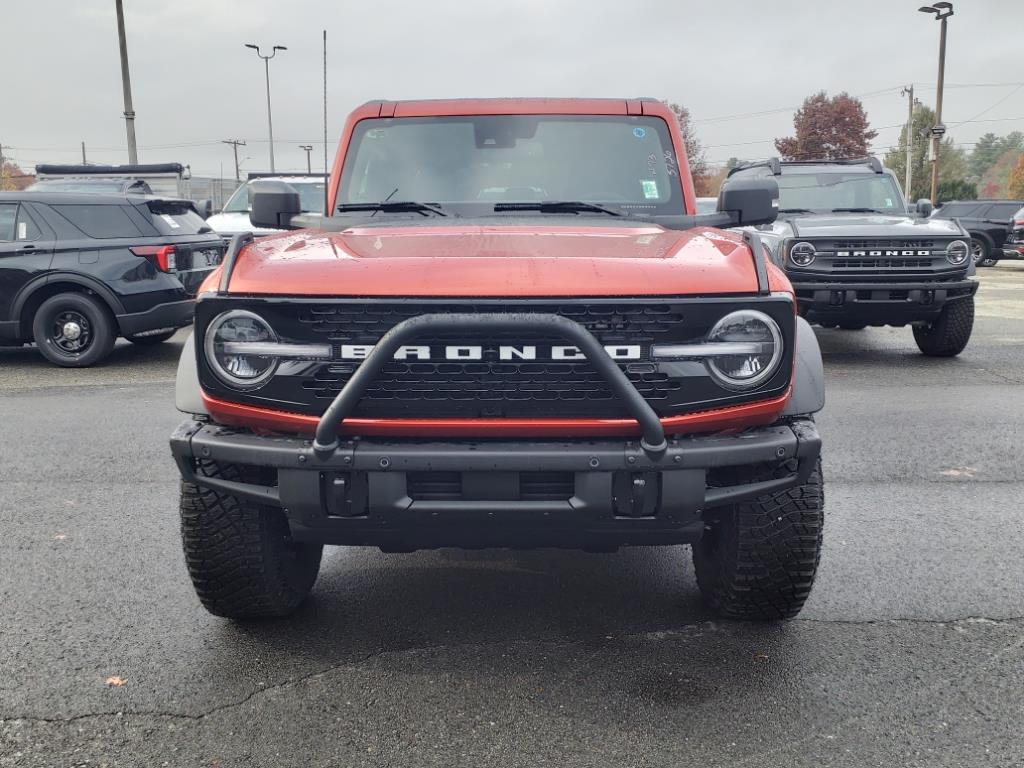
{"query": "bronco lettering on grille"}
{"type": "Point", "coordinates": [504, 352]}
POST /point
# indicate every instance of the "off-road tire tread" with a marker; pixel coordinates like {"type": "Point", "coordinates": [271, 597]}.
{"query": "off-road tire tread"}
{"type": "Point", "coordinates": [949, 334]}
{"type": "Point", "coordinates": [235, 551]}
{"type": "Point", "coordinates": [758, 559]}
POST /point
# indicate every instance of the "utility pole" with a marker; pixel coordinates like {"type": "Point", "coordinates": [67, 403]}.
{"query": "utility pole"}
{"type": "Point", "coordinates": [270, 119]}
{"type": "Point", "coordinates": [235, 144]}
{"type": "Point", "coordinates": [126, 86]}
{"type": "Point", "coordinates": [942, 13]}
{"type": "Point", "coordinates": [307, 148]}
{"type": "Point", "coordinates": [909, 93]}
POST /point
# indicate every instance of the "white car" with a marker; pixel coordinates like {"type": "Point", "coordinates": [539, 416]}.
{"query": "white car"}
{"type": "Point", "coordinates": [234, 218]}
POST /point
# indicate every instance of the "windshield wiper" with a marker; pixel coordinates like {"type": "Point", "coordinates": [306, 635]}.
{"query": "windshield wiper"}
{"type": "Point", "coordinates": [795, 210]}
{"type": "Point", "coordinates": [856, 210]}
{"type": "Point", "coordinates": [557, 206]}
{"type": "Point", "coordinates": [394, 206]}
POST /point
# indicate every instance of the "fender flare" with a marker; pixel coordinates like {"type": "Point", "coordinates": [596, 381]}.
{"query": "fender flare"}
{"type": "Point", "coordinates": [808, 373]}
{"type": "Point", "coordinates": [188, 395]}
{"type": "Point", "coordinates": [97, 287]}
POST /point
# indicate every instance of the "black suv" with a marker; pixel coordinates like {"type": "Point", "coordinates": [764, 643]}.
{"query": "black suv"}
{"type": "Point", "coordinates": [987, 221]}
{"type": "Point", "coordinates": [77, 271]}
{"type": "Point", "coordinates": [857, 255]}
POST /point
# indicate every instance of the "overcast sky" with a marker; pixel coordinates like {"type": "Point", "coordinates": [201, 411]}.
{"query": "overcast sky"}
{"type": "Point", "coordinates": [195, 84]}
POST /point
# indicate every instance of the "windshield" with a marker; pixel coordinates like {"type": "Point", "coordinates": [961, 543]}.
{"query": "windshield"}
{"type": "Point", "coordinates": [470, 164]}
{"type": "Point", "coordinates": [831, 191]}
{"type": "Point", "coordinates": [311, 196]}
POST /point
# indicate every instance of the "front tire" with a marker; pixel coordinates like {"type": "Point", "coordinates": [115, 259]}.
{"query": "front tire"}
{"type": "Point", "coordinates": [242, 560]}
{"type": "Point", "coordinates": [73, 330]}
{"type": "Point", "coordinates": [949, 334]}
{"type": "Point", "coordinates": [757, 559]}
{"type": "Point", "coordinates": [980, 252]}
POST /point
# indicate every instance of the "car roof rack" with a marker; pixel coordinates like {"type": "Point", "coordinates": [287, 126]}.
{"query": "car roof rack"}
{"type": "Point", "coordinates": [775, 165]}
{"type": "Point", "coordinates": [772, 163]}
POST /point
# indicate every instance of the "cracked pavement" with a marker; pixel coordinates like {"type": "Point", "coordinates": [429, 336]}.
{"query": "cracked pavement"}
{"type": "Point", "coordinates": [910, 651]}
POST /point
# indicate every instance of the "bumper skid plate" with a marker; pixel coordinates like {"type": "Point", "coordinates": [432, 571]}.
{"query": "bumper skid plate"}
{"type": "Point", "coordinates": [406, 494]}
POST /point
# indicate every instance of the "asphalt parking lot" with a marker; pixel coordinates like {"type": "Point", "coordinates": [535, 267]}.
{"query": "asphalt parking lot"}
{"type": "Point", "coordinates": [909, 653]}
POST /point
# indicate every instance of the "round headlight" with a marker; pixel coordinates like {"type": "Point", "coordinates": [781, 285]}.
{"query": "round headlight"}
{"type": "Point", "coordinates": [230, 330]}
{"type": "Point", "coordinates": [802, 254]}
{"type": "Point", "coordinates": [957, 252]}
{"type": "Point", "coordinates": [758, 342]}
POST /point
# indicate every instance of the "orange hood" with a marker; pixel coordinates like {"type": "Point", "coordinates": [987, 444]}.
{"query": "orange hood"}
{"type": "Point", "coordinates": [473, 260]}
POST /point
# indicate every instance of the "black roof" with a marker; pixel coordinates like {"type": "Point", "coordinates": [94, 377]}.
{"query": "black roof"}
{"type": "Point", "coordinates": [84, 198]}
{"type": "Point", "coordinates": [775, 165]}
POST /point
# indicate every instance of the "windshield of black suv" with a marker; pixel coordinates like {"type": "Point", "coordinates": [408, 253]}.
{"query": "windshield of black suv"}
{"type": "Point", "coordinates": [828, 192]}
{"type": "Point", "coordinates": [476, 165]}
{"type": "Point", "coordinates": [311, 196]}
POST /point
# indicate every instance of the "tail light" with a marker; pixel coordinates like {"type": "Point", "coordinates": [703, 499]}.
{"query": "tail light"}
{"type": "Point", "coordinates": [162, 256]}
{"type": "Point", "coordinates": [1019, 223]}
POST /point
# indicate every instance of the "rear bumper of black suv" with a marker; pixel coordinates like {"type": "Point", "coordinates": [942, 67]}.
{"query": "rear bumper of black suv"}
{"type": "Point", "coordinates": [171, 314]}
{"type": "Point", "coordinates": [878, 303]}
{"type": "Point", "coordinates": [401, 494]}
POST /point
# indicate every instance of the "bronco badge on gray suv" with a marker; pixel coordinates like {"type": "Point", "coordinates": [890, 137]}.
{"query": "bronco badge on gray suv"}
{"type": "Point", "coordinates": [857, 255]}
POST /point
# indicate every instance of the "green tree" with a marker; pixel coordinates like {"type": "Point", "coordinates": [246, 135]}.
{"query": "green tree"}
{"type": "Point", "coordinates": [957, 189]}
{"type": "Point", "coordinates": [952, 159]}
{"type": "Point", "coordinates": [828, 129]}
{"type": "Point", "coordinates": [990, 148]}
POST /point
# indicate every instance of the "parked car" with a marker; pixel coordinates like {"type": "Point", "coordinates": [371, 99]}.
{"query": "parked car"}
{"type": "Point", "coordinates": [234, 217]}
{"type": "Point", "coordinates": [857, 255]}
{"type": "Point", "coordinates": [507, 352]}
{"type": "Point", "coordinates": [987, 221]}
{"type": "Point", "coordinates": [1014, 247]}
{"type": "Point", "coordinates": [79, 270]}
{"type": "Point", "coordinates": [93, 186]}
{"type": "Point", "coordinates": [707, 204]}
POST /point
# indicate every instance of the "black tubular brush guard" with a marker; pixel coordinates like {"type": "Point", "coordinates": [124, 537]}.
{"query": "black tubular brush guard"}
{"type": "Point", "coordinates": [653, 440]}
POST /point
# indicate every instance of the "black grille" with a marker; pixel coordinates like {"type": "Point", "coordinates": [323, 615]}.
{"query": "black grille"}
{"type": "Point", "coordinates": [492, 387]}
{"type": "Point", "coordinates": [881, 263]}
{"type": "Point", "coordinates": [449, 486]}
{"type": "Point", "coordinates": [875, 245]}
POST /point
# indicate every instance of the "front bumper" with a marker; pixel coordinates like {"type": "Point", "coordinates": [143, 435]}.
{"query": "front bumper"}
{"type": "Point", "coordinates": [173, 314]}
{"type": "Point", "coordinates": [369, 491]}
{"type": "Point", "coordinates": [878, 303]}
{"type": "Point", "coordinates": [1013, 251]}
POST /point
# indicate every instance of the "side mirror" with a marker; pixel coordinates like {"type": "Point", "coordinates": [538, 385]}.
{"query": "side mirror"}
{"type": "Point", "coordinates": [924, 208]}
{"type": "Point", "coordinates": [750, 201]}
{"type": "Point", "coordinates": [205, 208]}
{"type": "Point", "coordinates": [273, 204]}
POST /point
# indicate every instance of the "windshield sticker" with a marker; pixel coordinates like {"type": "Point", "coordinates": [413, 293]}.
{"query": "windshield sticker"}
{"type": "Point", "coordinates": [650, 188]}
{"type": "Point", "coordinates": [639, 132]}
{"type": "Point", "coordinates": [670, 162]}
{"type": "Point", "coordinates": [170, 220]}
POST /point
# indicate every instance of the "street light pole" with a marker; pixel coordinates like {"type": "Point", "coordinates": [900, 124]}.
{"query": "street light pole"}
{"type": "Point", "coordinates": [909, 93]}
{"type": "Point", "coordinates": [942, 12]}
{"type": "Point", "coordinates": [307, 148]}
{"type": "Point", "coordinates": [270, 118]}
{"type": "Point", "coordinates": [126, 86]}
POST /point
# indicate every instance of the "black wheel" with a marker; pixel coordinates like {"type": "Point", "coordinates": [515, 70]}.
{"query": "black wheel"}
{"type": "Point", "coordinates": [73, 330]}
{"type": "Point", "coordinates": [980, 252]}
{"type": "Point", "coordinates": [757, 559]}
{"type": "Point", "coordinates": [152, 339]}
{"type": "Point", "coordinates": [240, 555]}
{"type": "Point", "coordinates": [949, 334]}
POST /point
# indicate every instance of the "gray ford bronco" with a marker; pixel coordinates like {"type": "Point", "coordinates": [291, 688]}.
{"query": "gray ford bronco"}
{"type": "Point", "coordinates": [858, 255]}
